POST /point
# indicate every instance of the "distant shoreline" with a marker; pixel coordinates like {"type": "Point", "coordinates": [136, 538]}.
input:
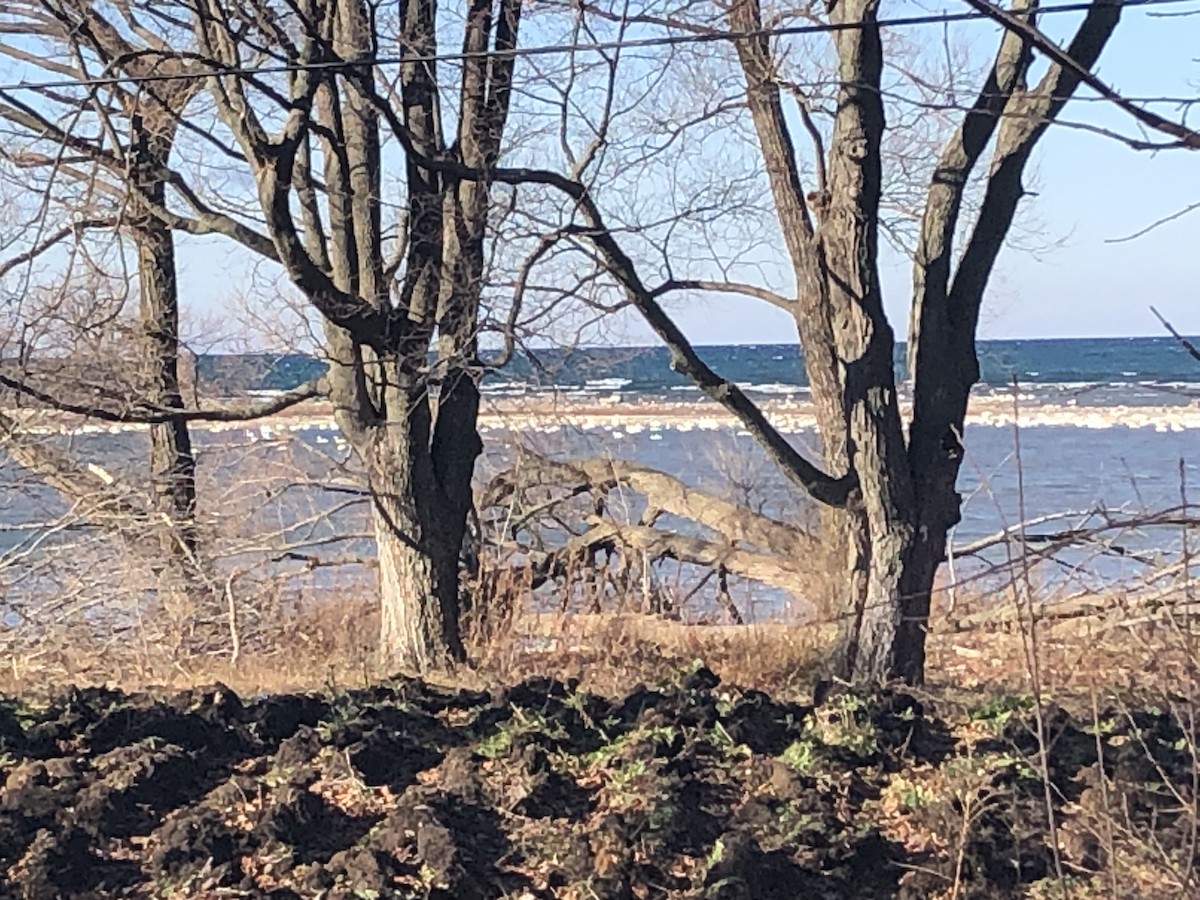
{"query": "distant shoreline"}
{"type": "Point", "coordinates": [624, 412]}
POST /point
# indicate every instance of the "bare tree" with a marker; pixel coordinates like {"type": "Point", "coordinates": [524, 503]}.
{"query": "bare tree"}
{"type": "Point", "coordinates": [300, 106]}
{"type": "Point", "coordinates": [392, 277]}
{"type": "Point", "coordinates": [386, 299]}
{"type": "Point", "coordinates": [890, 492]}
{"type": "Point", "coordinates": [110, 147]}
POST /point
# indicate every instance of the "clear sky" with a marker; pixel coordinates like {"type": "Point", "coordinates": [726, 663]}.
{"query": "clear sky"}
{"type": "Point", "coordinates": [1093, 191]}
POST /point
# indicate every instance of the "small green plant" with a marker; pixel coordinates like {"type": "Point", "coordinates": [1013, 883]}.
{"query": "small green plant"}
{"type": "Point", "coordinates": [343, 710]}
{"type": "Point", "coordinates": [792, 823]}
{"type": "Point", "coordinates": [801, 755]}
{"type": "Point", "coordinates": [498, 742]}
{"type": "Point", "coordinates": [28, 712]}
{"type": "Point", "coordinates": [716, 854]}
{"type": "Point", "coordinates": [840, 723]}
{"type": "Point", "coordinates": [604, 755]}
{"type": "Point", "coordinates": [723, 741]}
{"type": "Point", "coordinates": [725, 703]}
{"type": "Point", "coordinates": [1000, 709]}
{"type": "Point", "coordinates": [625, 774]}
{"type": "Point", "coordinates": [911, 793]}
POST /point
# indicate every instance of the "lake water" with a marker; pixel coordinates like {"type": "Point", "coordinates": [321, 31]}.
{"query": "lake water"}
{"type": "Point", "coordinates": [1105, 426]}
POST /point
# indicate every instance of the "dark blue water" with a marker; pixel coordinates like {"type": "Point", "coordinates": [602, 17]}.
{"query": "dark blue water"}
{"type": "Point", "coordinates": [1074, 363]}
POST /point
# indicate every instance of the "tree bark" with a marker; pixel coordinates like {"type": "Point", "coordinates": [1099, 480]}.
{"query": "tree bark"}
{"type": "Point", "coordinates": [943, 357]}
{"type": "Point", "coordinates": [892, 533]}
{"type": "Point", "coordinates": [172, 462]}
{"type": "Point", "coordinates": [418, 547]}
{"type": "Point", "coordinates": [799, 225]}
{"type": "Point", "coordinates": [420, 464]}
{"type": "Point", "coordinates": [877, 530]}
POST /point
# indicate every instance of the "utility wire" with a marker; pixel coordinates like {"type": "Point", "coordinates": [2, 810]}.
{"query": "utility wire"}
{"type": "Point", "coordinates": [670, 40]}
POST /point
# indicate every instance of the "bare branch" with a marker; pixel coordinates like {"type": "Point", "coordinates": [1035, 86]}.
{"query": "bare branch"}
{"type": "Point", "coordinates": [1142, 232]}
{"type": "Point", "coordinates": [88, 485]}
{"type": "Point", "coordinates": [49, 243]}
{"type": "Point", "coordinates": [943, 204]}
{"type": "Point", "coordinates": [684, 359]}
{"type": "Point", "coordinates": [1185, 136]}
{"type": "Point", "coordinates": [1183, 342]}
{"type": "Point", "coordinates": [787, 304]}
{"type": "Point", "coordinates": [142, 416]}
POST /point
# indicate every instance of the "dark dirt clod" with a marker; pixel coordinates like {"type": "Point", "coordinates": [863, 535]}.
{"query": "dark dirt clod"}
{"type": "Point", "coordinates": [382, 758]}
{"type": "Point", "coordinates": [703, 679]}
{"type": "Point", "coordinates": [275, 718]}
{"type": "Point", "coordinates": [762, 725]}
{"type": "Point", "coordinates": [12, 735]}
{"type": "Point", "coordinates": [293, 760]}
{"type": "Point", "coordinates": [135, 786]}
{"type": "Point", "coordinates": [64, 864]}
{"type": "Point", "coordinates": [195, 840]}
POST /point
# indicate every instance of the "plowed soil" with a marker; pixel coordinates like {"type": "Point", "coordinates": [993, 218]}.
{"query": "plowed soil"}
{"type": "Point", "coordinates": [694, 789]}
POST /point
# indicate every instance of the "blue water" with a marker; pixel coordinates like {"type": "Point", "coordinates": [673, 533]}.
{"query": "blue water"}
{"type": "Point", "coordinates": [1105, 363]}
{"type": "Point", "coordinates": [268, 489]}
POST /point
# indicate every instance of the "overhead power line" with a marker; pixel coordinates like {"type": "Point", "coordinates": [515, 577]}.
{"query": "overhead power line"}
{"type": "Point", "coordinates": [668, 40]}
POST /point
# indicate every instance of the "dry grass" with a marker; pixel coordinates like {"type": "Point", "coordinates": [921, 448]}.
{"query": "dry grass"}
{"type": "Point", "coordinates": [322, 645]}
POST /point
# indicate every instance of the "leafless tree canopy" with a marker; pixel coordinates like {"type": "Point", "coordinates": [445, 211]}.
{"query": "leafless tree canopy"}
{"type": "Point", "coordinates": [890, 491]}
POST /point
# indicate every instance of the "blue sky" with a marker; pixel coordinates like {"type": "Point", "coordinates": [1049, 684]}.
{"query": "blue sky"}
{"type": "Point", "coordinates": [1093, 190]}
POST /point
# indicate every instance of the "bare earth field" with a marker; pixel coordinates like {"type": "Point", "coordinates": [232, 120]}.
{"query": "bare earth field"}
{"type": "Point", "coordinates": [685, 788]}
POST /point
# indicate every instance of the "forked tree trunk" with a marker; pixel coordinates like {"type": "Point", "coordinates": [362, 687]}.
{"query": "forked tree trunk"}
{"type": "Point", "coordinates": [899, 498]}
{"type": "Point", "coordinates": [882, 512]}
{"type": "Point", "coordinates": [383, 310]}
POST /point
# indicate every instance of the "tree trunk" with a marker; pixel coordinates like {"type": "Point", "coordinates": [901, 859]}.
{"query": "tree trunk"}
{"type": "Point", "coordinates": [943, 359]}
{"type": "Point", "coordinates": [883, 525]}
{"type": "Point", "coordinates": [419, 542]}
{"type": "Point", "coordinates": [411, 636]}
{"type": "Point", "coordinates": [455, 447]}
{"type": "Point", "coordinates": [882, 635]}
{"type": "Point", "coordinates": [172, 463]}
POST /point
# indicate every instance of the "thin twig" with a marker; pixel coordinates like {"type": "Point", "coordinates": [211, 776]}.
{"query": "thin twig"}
{"type": "Point", "coordinates": [1029, 640]}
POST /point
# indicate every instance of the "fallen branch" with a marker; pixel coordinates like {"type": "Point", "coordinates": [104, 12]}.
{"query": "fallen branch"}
{"type": "Point", "coordinates": [658, 545]}
{"type": "Point", "coordinates": [1081, 535]}
{"type": "Point", "coordinates": [89, 486]}
{"type": "Point", "coordinates": [662, 492]}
